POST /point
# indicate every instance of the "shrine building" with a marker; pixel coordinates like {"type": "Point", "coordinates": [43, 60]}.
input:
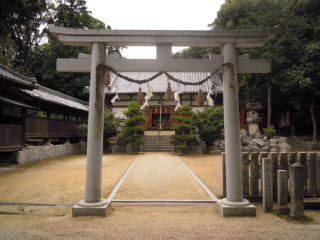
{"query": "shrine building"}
{"type": "Point", "coordinates": [162, 104]}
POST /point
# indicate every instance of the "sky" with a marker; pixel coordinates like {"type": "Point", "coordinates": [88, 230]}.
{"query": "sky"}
{"type": "Point", "coordinates": [154, 15]}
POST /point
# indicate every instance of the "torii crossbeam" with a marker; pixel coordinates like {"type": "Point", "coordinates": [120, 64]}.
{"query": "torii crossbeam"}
{"type": "Point", "coordinates": [234, 204]}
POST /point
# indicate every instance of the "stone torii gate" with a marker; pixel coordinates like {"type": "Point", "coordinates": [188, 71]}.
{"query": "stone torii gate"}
{"type": "Point", "coordinates": [234, 204]}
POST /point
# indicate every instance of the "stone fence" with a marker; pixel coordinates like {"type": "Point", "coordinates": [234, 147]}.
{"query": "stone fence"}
{"type": "Point", "coordinates": [251, 168]}
{"type": "Point", "coordinates": [37, 153]}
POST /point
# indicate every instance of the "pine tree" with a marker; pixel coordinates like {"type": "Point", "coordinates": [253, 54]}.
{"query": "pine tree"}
{"type": "Point", "coordinates": [133, 129]}
{"type": "Point", "coordinates": [184, 128]}
{"type": "Point", "coordinates": [209, 123]}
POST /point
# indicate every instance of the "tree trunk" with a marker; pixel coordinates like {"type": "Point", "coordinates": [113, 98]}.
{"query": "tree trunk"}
{"type": "Point", "coordinates": [269, 104]}
{"type": "Point", "coordinates": [314, 121]}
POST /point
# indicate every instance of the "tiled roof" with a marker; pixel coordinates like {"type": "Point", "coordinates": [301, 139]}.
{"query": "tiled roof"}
{"type": "Point", "coordinates": [14, 76]}
{"type": "Point", "coordinates": [40, 92]}
{"type": "Point", "coordinates": [159, 84]}
{"type": "Point", "coordinates": [52, 96]}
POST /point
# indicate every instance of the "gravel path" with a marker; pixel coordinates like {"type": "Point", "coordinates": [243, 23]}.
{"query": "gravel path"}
{"type": "Point", "coordinates": [160, 176]}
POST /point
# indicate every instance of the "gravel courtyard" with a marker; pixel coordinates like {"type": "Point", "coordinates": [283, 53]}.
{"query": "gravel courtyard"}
{"type": "Point", "coordinates": [61, 181]}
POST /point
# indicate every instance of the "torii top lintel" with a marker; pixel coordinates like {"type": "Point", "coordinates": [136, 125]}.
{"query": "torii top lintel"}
{"type": "Point", "coordinates": [216, 38]}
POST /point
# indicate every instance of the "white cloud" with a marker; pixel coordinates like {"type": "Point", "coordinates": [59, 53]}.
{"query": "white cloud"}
{"type": "Point", "coordinates": [154, 15]}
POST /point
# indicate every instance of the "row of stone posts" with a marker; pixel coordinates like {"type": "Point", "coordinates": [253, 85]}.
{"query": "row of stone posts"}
{"type": "Point", "coordinates": [296, 189]}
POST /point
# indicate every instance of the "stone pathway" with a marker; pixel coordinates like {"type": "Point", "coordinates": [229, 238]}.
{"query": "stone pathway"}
{"type": "Point", "coordinates": [160, 176]}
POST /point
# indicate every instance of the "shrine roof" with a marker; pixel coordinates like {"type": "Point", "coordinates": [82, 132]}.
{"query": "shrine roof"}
{"type": "Point", "coordinates": [159, 84]}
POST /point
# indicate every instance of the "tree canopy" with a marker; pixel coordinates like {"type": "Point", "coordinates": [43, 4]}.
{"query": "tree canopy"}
{"type": "Point", "coordinates": [28, 47]}
{"type": "Point", "coordinates": [294, 52]}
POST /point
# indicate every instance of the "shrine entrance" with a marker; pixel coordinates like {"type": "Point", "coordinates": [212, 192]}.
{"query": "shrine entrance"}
{"type": "Point", "coordinates": [159, 114]}
{"type": "Point", "coordinates": [228, 64]}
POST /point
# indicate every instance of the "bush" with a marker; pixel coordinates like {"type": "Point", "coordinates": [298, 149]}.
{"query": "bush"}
{"type": "Point", "coordinates": [111, 124]}
{"type": "Point", "coordinates": [269, 132]}
{"type": "Point", "coordinates": [209, 123]}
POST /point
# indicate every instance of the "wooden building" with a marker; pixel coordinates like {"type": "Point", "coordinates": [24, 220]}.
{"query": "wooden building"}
{"type": "Point", "coordinates": [31, 113]}
{"type": "Point", "coordinates": [159, 109]}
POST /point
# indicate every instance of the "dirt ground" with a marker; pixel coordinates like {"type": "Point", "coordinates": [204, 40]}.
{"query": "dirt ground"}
{"type": "Point", "coordinates": [208, 168]}
{"type": "Point", "coordinates": [138, 223]}
{"type": "Point", "coordinates": [160, 176]}
{"type": "Point", "coordinates": [62, 180]}
{"type": "Point", "coordinates": [59, 180]}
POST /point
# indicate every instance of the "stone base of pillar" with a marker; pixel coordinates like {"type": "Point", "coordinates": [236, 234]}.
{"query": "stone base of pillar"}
{"type": "Point", "coordinates": [230, 209]}
{"type": "Point", "coordinates": [91, 209]}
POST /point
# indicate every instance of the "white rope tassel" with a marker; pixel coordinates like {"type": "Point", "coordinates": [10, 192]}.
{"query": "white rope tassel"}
{"type": "Point", "coordinates": [176, 97]}
{"type": "Point", "coordinates": [116, 97]}
{"type": "Point", "coordinates": [177, 106]}
{"type": "Point", "coordinates": [144, 105]}
{"type": "Point", "coordinates": [148, 93]}
{"type": "Point", "coordinates": [147, 97]}
{"type": "Point", "coordinates": [210, 101]}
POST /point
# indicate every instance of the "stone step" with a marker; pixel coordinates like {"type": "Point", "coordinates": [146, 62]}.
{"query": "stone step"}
{"type": "Point", "coordinates": [155, 146]}
{"type": "Point", "coordinates": [166, 147]}
{"type": "Point", "coordinates": [157, 150]}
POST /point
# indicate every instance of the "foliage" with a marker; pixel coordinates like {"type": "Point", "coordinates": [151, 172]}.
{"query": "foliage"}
{"type": "Point", "coordinates": [133, 130]}
{"type": "Point", "coordinates": [23, 29]}
{"type": "Point", "coordinates": [209, 123]}
{"type": "Point", "coordinates": [184, 137]}
{"type": "Point", "coordinates": [21, 23]}
{"type": "Point", "coordinates": [67, 13]}
{"type": "Point", "coordinates": [269, 132]}
{"type": "Point", "coordinates": [294, 52]}
{"type": "Point", "coordinates": [111, 125]}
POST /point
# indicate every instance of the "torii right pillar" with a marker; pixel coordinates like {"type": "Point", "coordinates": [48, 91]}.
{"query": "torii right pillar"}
{"type": "Point", "coordinates": [234, 204]}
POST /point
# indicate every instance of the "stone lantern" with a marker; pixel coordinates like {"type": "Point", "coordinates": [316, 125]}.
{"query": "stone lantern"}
{"type": "Point", "coordinates": [253, 118]}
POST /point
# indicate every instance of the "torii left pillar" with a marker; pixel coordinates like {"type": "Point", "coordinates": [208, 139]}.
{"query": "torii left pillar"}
{"type": "Point", "coordinates": [93, 204]}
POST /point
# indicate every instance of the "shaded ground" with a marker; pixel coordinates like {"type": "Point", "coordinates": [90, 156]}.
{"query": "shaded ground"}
{"type": "Point", "coordinates": [208, 168]}
{"type": "Point", "coordinates": [160, 176]}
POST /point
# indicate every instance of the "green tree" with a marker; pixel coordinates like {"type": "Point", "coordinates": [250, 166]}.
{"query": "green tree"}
{"type": "Point", "coordinates": [21, 24]}
{"type": "Point", "coordinates": [184, 128]}
{"type": "Point", "coordinates": [111, 125]}
{"type": "Point", "coordinates": [293, 52]}
{"type": "Point", "coordinates": [209, 123]}
{"type": "Point", "coordinates": [132, 132]}
{"type": "Point", "coordinates": [73, 14]}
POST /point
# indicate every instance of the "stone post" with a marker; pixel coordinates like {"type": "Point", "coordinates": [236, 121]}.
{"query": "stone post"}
{"type": "Point", "coordinates": [224, 188]}
{"type": "Point", "coordinates": [318, 176]}
{"type": "Point", "coordinates": [312, 174]}
{"type": "Point", "coordinates": [93, 204]}
{"type": "Point", "coordinates": [303, 160]}
{"type": "Point", "coordinates": [296, 190]}
{"type": "Point", "coordinates": [282, 192]}
{"type": "Point", "coordinates": [267, 186]}
{"type": "Point", "coordinates": [233, 204]}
